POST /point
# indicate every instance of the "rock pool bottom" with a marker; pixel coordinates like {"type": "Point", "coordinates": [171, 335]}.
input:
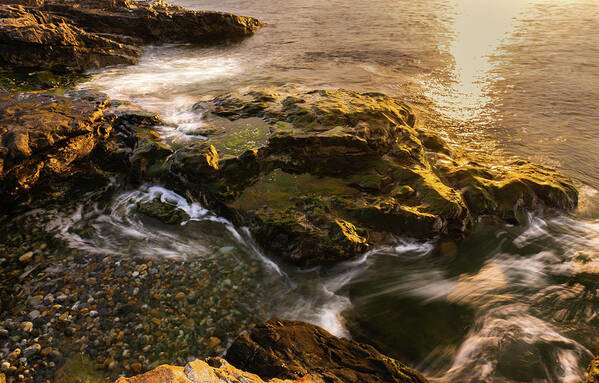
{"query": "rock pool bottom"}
{"type": "Point", "coordinates": [102, 279]}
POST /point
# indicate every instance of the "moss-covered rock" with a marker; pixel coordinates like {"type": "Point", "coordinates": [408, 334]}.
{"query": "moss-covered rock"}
{"type": "Point", "coordinates": [163, 211]}
{"type": "Point", "coordinates": [323, 175]}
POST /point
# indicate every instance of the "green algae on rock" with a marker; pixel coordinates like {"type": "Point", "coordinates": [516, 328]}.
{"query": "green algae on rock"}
{"type": "Point", "coordinates": [163, 211]}
{"type": "Point", "coordinates": [339, 171]}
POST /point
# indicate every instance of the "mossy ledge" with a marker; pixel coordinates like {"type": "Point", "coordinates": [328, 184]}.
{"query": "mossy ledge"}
{"type": "Point", "coordinates": [338, 172]}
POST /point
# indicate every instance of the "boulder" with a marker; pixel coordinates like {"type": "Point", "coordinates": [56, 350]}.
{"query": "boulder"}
{"type": "Point", "coordinates": [292, 349]}
{"type": "Point", "coordinates": [74, 36]}
{"type": "Point", "coordinates": [321, 176]}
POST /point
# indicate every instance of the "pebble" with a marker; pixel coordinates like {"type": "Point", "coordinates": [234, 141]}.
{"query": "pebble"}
{"type": "Point", "coordinates": [5, 366]}
{"type": "Point", "coordinates": [136, 367]}
{"type": "Point", "coordinates": [26, 326]}
{"type": "Point", "coordinates": [15, 354]}
{"type": "Point", "coordinates": [36, 300]}
{"type": "Point", "coordinates": [49, 299]}
{"type": "Point", "coordinates": [214, 342]}
{"type": "Point", "coordinates": [26, 257]}
{"type": "Point", "coordinates": [119, 309]}
{"type": "Point", "coordinates": [32, 350]}
{"type": "Point", "coordinates": [34, 314]}
{"type": "Point", "coordinates": [61, 298]}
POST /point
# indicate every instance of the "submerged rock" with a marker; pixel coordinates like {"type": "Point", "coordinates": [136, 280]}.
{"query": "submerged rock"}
{"type": "Point", "coordinates": [292, 349]}
{"type": "Point", "coordinates": [323, 175]}
{"type": "Point", "coordinates": [163, 211]}
{"type": "Point", "coordinates": [74, 36]}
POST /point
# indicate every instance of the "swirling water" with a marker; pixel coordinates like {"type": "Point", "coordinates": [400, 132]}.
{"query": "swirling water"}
{"type": "Point", "coordinates": [510, 77]}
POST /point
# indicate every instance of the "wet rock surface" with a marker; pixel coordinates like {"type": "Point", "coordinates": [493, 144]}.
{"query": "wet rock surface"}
{"type": "Point", "coordinates": [74, 36]}
{"type": "Point", "coordinates": [31, 39]}
{"type": "Point", "coordinates": [44, 135]}
{"type": "Point", "coordinates": [293, 349]}
{"type": "Point", "coordinates": [57, 144]}
{"type": "Point", "coordinates": [321, 176]}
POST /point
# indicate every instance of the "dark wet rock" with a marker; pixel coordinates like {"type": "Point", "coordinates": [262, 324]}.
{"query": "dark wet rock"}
{"type": "Point", "coordinates": [74, 36]}
{"type": "Point", "coordinates": [293, 349]}
{"type": "Point", "coordinates": [323, 175]}
{"type": "Point", "coordinates": [163, 211]}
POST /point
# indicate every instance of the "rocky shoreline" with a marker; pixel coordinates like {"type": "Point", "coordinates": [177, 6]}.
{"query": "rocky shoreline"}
{"type": "Point", "coordinates": [74, 36]}
{"type": "Point", "coordinates": [318, 176]}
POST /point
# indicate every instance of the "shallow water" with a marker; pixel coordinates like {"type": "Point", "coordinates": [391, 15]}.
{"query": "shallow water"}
{"type": "Point", "coordinates": [516, 77]}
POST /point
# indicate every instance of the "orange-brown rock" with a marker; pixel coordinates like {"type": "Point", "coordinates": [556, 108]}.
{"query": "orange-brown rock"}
{"type": "Point", "coordinates": [44, 134]}
{"type": "Point", "coordinates": [52, 144]}
{"type": "Point", "coordinates": [212, 370]}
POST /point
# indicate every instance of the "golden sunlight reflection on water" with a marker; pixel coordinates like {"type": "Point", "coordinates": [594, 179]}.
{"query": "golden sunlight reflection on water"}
{"type": "Point", "coordinates": [476, 29]}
